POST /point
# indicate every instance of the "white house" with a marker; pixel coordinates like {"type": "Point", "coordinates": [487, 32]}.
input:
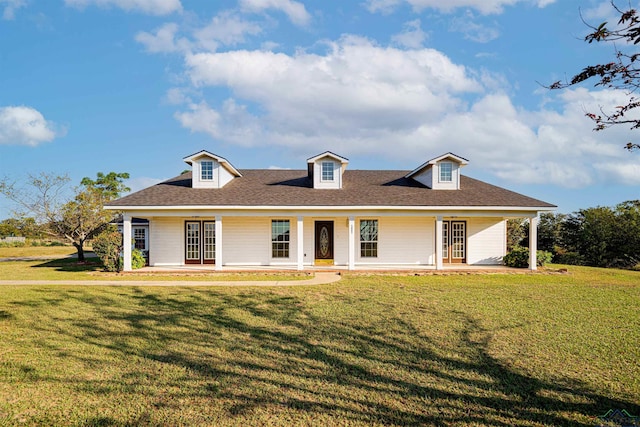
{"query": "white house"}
{"type": "Point", "coordinates": [219, 216]}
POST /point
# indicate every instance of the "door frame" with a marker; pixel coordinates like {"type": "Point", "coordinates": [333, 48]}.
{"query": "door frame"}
{"type": "Point", "coordinates": [328, 259]}
{"type": "Point", "coordinates": [448, 242]}
{"type": "Point", "coordinates": [201, 242]}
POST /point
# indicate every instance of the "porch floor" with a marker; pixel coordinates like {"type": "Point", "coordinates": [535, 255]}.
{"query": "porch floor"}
{"type": "Point", "coordinates": [457, 268]}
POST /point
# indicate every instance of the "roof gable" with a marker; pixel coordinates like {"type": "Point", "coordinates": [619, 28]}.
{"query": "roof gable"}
{"type": "Point", "coordinates": [334, 156]}
{"type": "Point", "coordinates": [224, 162]}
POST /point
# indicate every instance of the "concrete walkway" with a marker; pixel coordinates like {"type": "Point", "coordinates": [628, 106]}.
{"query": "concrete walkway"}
{"type": "Point", "coordinates": [320, 278]}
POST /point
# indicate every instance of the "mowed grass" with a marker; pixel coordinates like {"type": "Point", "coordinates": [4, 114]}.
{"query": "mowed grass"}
{"type": "Point", "coordinates": [499, 350]}
{"type": "Point", "coordinates": [36, 251]}
{"type": "Point", "coordinates": [69, 269]}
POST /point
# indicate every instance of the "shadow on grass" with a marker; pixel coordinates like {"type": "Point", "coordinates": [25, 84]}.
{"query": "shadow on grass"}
{"type": "Point", "coordinates": [251, 352]}
{"type": "Point", "coordinates": [72, 265]}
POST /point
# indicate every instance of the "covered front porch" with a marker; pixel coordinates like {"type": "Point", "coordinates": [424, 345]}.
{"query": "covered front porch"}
{"type": "Point", "coordinates": [373, 269]}
{"type": "Point", "coordinates": [317, 241]}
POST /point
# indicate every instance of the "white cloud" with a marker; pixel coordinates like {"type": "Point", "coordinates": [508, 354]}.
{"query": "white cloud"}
{"type": "Point", "coordinates": [201, 118]}
{"type": "Point", "coordinates": [163, 39]}
{"type": "Point", "coordinates": [411, 36]}
{"type": "Point", "coordinates": [400, 104]}
{"type": "Point", "coordinates": [294, 10]}
{"type": "Point", "coordinates": [382, 6]}
{"type": "Point", "coordinates": [472, 30]}
{"type": "Point", "coordinates": [226, 28]}
{"type": "Point", "coordinates": [602, 12]}
{"type": "Point", "coordinates": [485, 7]}
{"type": "Point", "coordinates": [627, 172]}
{"type": "Point", "coordinates": [178, 96]}
{"type": "Point", "coordinates": [357, 84]}
{"type": "Point", "coordinates": [151, 7]}
{"type": "Point", "coordinates": [24, 126]}
{"type": "Point", "coordinates": [10, 7]}
{"type": "Point", "coordinates": [232, 123]}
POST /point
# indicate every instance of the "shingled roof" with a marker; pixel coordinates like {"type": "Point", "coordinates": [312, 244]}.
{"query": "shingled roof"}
{"type": "Point", "coordinates": [293, 188]}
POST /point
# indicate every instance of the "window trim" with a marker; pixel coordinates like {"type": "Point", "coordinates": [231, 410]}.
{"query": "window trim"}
{"type": "Point", "coordinates": [202, 170]}
{"type": "Point", "coordinates": [450, 172]}
{"type": "Point", "coordinates": [283, 252]}
{"type": "Point", "coordinates": [331, 170]}
{"type": "Point", "coordinates": [137, 238]}
{"type": "Point", "coordinates": [369, 248]}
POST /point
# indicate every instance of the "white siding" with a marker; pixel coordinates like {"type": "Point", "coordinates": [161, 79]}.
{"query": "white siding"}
{"type": "Point", "coordinates": [486, 240]}
{"type": "Point", "coordinates": [340, 239]}
{"type": "Point", "coordinates": [309, 240]}
{"type": "Point", "coordinates": [247, 241]}
{"type": "Point", "coordinates": [454, 184]}
{"type": "Point", "coordinates": [401, 240]}
{"type": "Point", "coordinates": [166, 241]}
{"type": "Point", "coordinates": [224, 176]}
{"type": "Point", "coordinates": [431, 176]}
{"type": "Point", "coordinates": [196, 176]}
{"type": "Point", "coordinates": [221, 176]}
{"type": "Point", "coordinates": [317, 174]}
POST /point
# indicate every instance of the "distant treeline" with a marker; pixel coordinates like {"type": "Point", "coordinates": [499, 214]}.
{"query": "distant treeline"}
{"type": "Point", "coordinates": [21, 227]}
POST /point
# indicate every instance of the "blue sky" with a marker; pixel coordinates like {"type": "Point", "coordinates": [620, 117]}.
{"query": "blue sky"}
{"type": "Point", "coordinates": [136, 85]}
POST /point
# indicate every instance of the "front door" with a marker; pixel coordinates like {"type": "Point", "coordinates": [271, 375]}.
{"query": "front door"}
{"type": "Point", "coordinates": [324, 242]}
{"type": "Point", "coordinates": [454, 242]}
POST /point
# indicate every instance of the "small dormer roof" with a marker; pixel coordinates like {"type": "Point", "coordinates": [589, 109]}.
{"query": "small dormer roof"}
{"type": "Point", "coordinates": [341, 159]}
{"type": "Point", "coordinates": [460, 160]}
{"type": "Point", "coordinates": [224, 162]}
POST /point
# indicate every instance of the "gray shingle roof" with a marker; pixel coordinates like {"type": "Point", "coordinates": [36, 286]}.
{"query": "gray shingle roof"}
{"type": "Point", "coordinates": [265, 187]}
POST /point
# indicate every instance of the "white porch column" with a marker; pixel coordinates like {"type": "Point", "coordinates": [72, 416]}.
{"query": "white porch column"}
{"type": "Point", "coordinates": [300, 241]}
{"type": "Point", "coordinates": [218, 231]}
{"type": "Point", "coordinates": [352, 243]}
{"type": "Point", "coordinates": [126, 242]}
{"type": "Point", "coordinates": [533, 242]}
{"type": "Point", "coordinates": [439, 243]}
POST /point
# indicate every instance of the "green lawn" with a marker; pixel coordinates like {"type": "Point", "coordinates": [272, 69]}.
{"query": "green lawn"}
{"type": "Point", "coordinates": [69, 269]}
{"type": "Point", "coordinates": [36, 251]}
{"type": "Point", "coordinates": [499, 350]}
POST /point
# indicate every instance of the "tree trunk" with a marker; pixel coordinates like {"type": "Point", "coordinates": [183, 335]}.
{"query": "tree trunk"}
{"type": "Point", "coordinates": [80, 248]}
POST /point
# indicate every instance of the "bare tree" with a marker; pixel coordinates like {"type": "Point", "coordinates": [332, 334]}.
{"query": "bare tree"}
{"type": "Point", "coordinates": [77, 217]}
{"type": "Point", "coordinates": [622, 73]}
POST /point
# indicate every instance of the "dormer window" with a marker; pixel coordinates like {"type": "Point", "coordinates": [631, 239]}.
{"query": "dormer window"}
{"type": "Point", "coordinates": [210, 170]}
{"type": "Point", "coordinates": [206, 170]}
{"type": "Point", "coordinates": [446, 172]}
{"type": "Point", "coordinates": [327, 171]}
{"type": "Point", "coordinates": [440, 173]}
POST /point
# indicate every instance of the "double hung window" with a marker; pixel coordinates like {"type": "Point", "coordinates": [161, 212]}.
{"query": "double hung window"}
{"type": "Point", "coordinates": [206, 170]}
{"type": "Point", "coordinates": [446, 172]}
{"type": "Point", "coordinates": [280, 234]}
{"type": "Point", "coordinates": [369, 238]}
{"type": "Point", "coordinates": [327, 171]}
